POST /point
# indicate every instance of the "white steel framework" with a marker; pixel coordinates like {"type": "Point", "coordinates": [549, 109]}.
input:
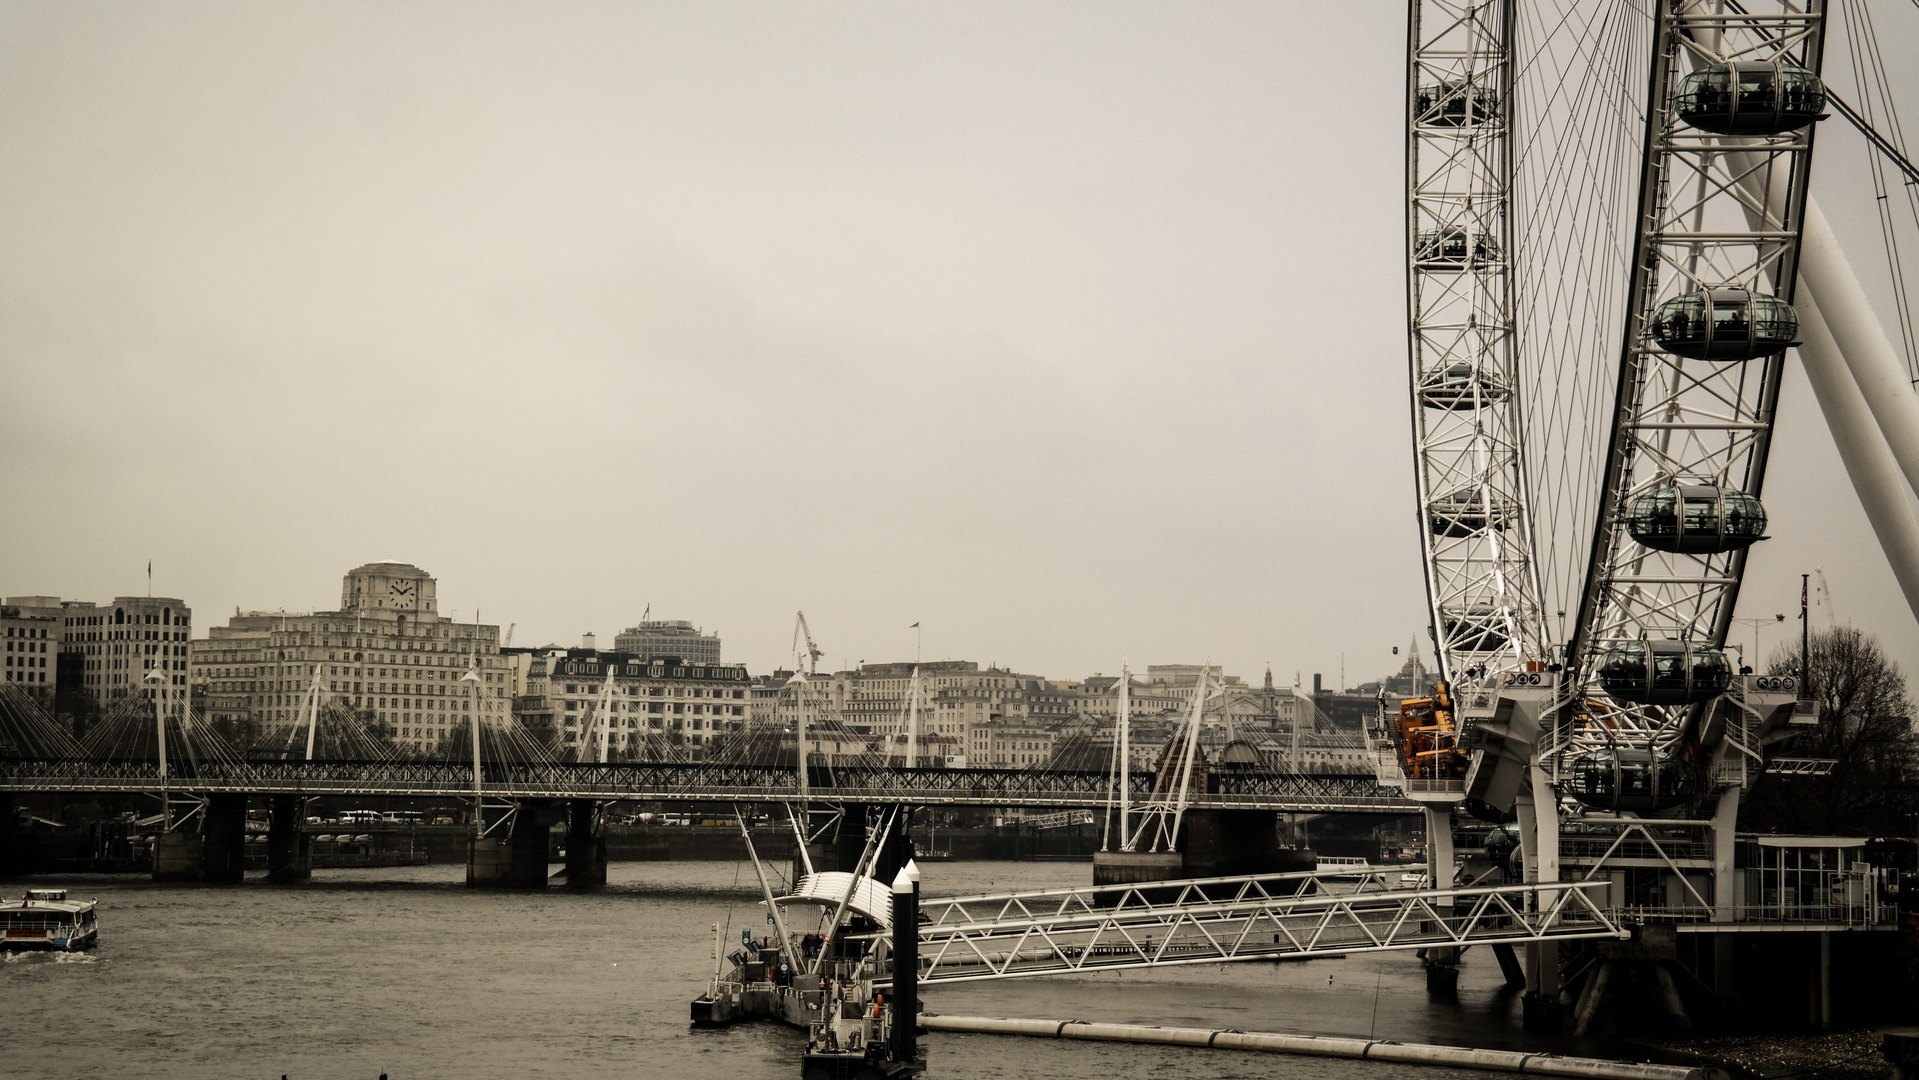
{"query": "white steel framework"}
{"type": "Point", "coordinates": [1215, 920]}
{"type": "Point", "coordinates": [1681, 420]}
{"type": "Point", "coordinates": [1475, 520]}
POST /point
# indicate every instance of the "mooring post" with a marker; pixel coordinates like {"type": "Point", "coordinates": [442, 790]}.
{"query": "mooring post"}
{"type": "Point", "coordinates": [906, 963]}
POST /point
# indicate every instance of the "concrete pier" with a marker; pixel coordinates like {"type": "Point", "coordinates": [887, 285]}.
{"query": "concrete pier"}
{"type": "Point", "coordinates": [176, 857]}
{"type": "Point", "coordinates": [1211, 843]}
{"type": "Point", "coordinates": [289, 848]}
{"type": "Point", "coordinates": [223, 839]}
{"type": "Point", "coordinates": [894, 853]}
{"type": "Point", "coordinates": [585, 846]}
{"type": "Point", "coordinates": [517, 860]}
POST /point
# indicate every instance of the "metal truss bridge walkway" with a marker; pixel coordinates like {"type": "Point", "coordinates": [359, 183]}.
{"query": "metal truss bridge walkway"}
{"type": "Point", "coordinates": [1217, 920]}
{"type": "Point", "coordinates": [1283, 793]}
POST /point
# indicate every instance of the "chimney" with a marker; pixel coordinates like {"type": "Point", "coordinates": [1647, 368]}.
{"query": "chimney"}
{"type": "Point", "coordinates": [587, 642]}
{"type": "Point", "coordinates": [1315, 684]}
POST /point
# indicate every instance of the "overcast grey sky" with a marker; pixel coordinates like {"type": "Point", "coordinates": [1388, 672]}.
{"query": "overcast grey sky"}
{"type": "Point", "coordinates": [1072, 331]}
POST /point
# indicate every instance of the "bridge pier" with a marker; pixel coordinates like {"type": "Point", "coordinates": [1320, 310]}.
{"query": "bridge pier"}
{"type": "Point", "coordinates": [855, 828]}
{"type": "Point", "coordinates": [517, 861]}
{"type": "Point", "coordinates": [16, 841]}
{"type": "Point", "coordinates": [585, 846]}
{"type": "Point", "coordinates": [1211, 843]}
{"type": "Point", "coordinates": [176, 857]}
{"type": "Point", "coordinates": [223, 838]}
{"type": "Point", "coordinates": [289, 847]}
{"type": "Point", "coordinates": [1442, 970]}
{"type": "Point", "coordinates": [1541, 1007]}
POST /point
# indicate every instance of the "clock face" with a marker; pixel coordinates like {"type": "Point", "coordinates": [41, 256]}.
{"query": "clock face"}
{"type": "Point", "coordinates": [402, 589]}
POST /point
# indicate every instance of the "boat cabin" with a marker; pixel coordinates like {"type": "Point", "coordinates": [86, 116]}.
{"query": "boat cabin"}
{"type": "Point", "coordinates": [45, 918]}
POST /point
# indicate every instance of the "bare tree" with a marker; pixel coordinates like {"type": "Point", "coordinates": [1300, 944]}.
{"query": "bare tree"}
{"type": "Point", "coordinates": [1865, 727]}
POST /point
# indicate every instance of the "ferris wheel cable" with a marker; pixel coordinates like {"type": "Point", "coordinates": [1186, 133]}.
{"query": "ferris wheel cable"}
{"type": "Point", "coordinates": [1579, 160]}
{"type": "Point", "coordinates": [1879, 142]}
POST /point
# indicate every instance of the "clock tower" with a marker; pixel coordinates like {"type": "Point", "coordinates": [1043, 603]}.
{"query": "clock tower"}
{"type": "Point", "coordinates": [396, 587]}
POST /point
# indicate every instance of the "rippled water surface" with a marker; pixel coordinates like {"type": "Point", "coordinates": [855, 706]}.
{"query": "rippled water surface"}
{"type": "Point", "coordinates": [407, 972]}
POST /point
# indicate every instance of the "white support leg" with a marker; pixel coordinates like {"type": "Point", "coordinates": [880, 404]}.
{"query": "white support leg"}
{"type": "Point", "coordinates": [1725, 818]}
{"type": "Point", "coordinates": [1528, 837]}
{"type": "Point", "coordinates": [1439, 844]}
{"type": "Point", "coordinates": [1868, 460]}
{"type": "Point", "coordinates": [1827, 276]}
{"type": "Point", "coordinates": [1546, 836]}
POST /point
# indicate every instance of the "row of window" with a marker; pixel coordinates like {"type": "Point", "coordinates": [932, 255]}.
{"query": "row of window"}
{"type": "Point", "coordinates": [120, 618]}
{"type": "Point", "coordinates": [655, 671]}
{"type": "Point", "coordinates": [660, 707]}
{"type": "Point", "coordinates": [656, 691]}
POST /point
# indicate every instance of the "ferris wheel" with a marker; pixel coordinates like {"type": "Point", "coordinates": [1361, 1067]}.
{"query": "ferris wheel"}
{"type": "Point", "coordinates": [1608, 220]}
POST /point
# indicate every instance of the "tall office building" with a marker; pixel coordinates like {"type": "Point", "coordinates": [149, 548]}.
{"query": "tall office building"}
{"type": "Point", "coordinates": [387, 651]}
{"type": "Point", "coordinates": [106, 650]}
{"type": "Point", "coordinates": [675, 637]}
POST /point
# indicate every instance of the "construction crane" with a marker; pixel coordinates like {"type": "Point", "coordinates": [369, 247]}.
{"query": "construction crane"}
{"type": "Point", "coordinates": [813, 651]}
{"type": "Point", "coordinates": [508, 643]}
{"type": "Point", "coordinates": [1825, 598]}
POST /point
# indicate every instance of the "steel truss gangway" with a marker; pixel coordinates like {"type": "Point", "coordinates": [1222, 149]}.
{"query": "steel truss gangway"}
{"type": "Point", "coordinates": [1229, 919]}
{"type": "Point", "coordinates": [1283, 793]}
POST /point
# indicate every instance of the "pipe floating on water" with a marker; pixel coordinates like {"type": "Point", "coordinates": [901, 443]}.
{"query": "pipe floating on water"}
{"type": "Point", "coordinates": [1324, 1046]}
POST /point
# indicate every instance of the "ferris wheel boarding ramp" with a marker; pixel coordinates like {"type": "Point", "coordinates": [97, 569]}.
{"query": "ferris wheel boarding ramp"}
{"type": "Point", "coordinates": [1219, 920]}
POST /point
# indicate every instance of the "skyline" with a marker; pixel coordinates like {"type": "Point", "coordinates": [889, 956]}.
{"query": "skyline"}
{"type": "Point", "coordinates": [1075, 333]}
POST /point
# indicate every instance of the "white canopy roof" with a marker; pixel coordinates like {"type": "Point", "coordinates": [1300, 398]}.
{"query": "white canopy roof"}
{"type": "Point", "coordinates": [870, 898]}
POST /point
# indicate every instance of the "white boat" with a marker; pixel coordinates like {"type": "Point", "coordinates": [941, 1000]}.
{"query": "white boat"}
{"type": "Point", "coordinates": [1343, 866]}
{"type": "Point", "coordinates": [45, 918]}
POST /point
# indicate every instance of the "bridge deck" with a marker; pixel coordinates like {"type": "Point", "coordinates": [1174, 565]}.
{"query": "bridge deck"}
{"type": "Point", "coordinates": [1310, 793]}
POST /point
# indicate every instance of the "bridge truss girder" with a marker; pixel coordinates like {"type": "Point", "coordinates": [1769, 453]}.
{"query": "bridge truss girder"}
{"type": "Point", "coordinates": [1219, 920]}
{"type": "Point", "coordinates": [1284, 793]}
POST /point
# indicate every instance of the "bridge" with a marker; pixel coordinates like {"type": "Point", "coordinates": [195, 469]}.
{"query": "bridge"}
{"type": "Point", "coordinates": [692, 782]}
{"type": "Point", "coordinates": [1222, 920]}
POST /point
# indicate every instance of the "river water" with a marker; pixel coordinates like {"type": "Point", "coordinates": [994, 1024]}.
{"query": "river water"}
{"type": "Point", "coordinates": [407, 972]}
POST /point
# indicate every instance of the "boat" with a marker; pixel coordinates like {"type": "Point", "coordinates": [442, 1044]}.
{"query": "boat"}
{"type": "Point", "coordinates": [45, 918]}
{"type": "Point", "coordinates": [1343, 867]}
{"type": "Point", "coordinates": [826, 972]}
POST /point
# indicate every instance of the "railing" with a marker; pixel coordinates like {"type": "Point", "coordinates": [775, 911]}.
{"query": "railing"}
{"type": "Point", "coordinates": [1636, 839]}
{"type": "Point", "coordinates": [1848, 915]}
{"type": "Point", "coordinates": [36, 926]}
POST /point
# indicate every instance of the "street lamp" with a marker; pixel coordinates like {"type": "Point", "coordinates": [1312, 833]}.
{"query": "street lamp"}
{"type": "Point", "coordinates": [1756, 624]}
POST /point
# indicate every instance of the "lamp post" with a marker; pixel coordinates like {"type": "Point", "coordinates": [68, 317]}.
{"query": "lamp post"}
{"type": "Point", "coordinates": [1756, 624]}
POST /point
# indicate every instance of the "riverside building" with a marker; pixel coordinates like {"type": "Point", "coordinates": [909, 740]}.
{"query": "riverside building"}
{"type": "Point", "coordinates": [659, 704]}
{"type": "Point", "coordinates": [387, 653]}
{"type": "Point", "coordinates": [676, 638]}
{"type": "Point", "coordinates": [105, 651]}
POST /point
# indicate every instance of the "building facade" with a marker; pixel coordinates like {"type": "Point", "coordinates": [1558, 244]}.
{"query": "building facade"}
{"type": "Point", "coordinates": [33, 648]}
{"type": "Point", "coordinates": [387, 654]}
{"type": "Point", "coordinates": [663, 707]}
{"type": "Point", "coordinates": [676, 638]}
{"type": "Point", "coordinates": [105, 651]}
